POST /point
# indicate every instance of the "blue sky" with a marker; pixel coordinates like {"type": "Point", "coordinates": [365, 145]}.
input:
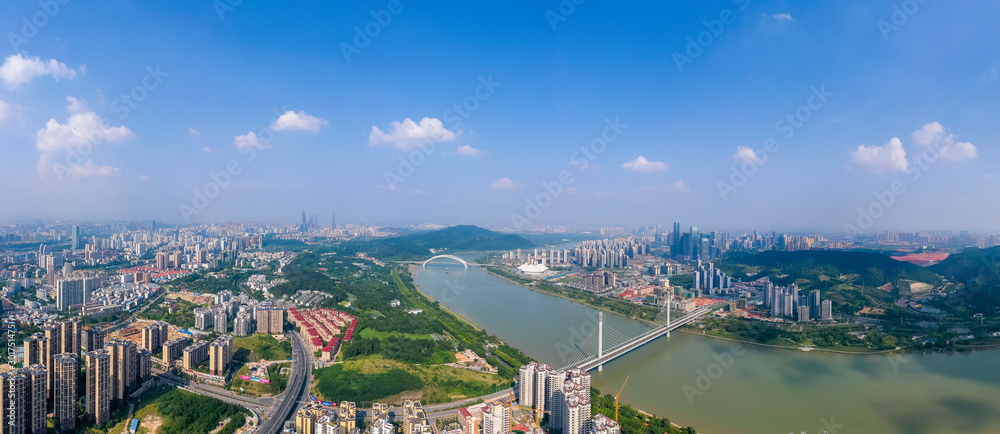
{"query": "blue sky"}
{"type": "Point", "coordinates": [347, 121]}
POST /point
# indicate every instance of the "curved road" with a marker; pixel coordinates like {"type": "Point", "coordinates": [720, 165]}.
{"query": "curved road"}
{"type": "Point", "coordinates": [293, 393]}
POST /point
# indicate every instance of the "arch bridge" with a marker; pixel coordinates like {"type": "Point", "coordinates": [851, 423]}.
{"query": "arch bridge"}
{"type": "Point", "coordinates": [453, 257]}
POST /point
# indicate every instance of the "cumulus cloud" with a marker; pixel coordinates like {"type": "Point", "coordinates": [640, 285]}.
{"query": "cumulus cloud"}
{"type": "Point", "coordinates": [299, 121]}
{"type": "Point", "coordinates": [782, 17]}
{"type": "Point", "coordinates": [18, 69]}
{"type": "Point", "coordinates": [144, 178]}
{"type": "Point", "coordinates": [407, 135]}
{"type": "Point", "coordinates": [90, 170]}
{"type": "Point", "coordinates": [468, 150]}
{"type": "Point", "coordinates": [678, 187]}
{"type": "Point", "coordinates": [77, 138]}
{"type": "Point", "coordinates": [936, 134]}
{"type": "Point", "coordinates": [505, 184]}
{"type": "Point", "coordinates": [641, 164]}
{"type": "Point", "coordinates": [890, 157]}
{"type": "Point", "coordinates": [744, 154]}
{"type": "Point", "coordinates": [194, 132]}
{"type": "Point", "coordinates": [249, 141]}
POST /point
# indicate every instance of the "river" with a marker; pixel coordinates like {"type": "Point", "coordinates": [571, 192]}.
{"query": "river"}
{"type": "Point", "coordinates": [719, 388]}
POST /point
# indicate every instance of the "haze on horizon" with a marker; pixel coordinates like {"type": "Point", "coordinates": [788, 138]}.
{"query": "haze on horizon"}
{"type": "Point", "coordinates": [729, 114]}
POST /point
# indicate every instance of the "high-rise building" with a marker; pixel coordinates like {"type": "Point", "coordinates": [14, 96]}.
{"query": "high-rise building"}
{"type": "Point", "coordinates": [220, 353]}
{"type": "Point", "coordinates": [36, 349]}
{"type": "Point", "coordinates": [124, 367]}
{"type": "Point", "coordinates": [347, 413]}
{"type": "Point", "coordinates": [605, 425]}
{"type": "Point", "coordinates": [803, 313]}
{"type": "Point", "coordinates": [540, 394]}
{"type": "Point", "coordinates": [93, 339]}
{"type": "Point", "coordinates": [414, 419]}
{"type": "Point", "coordinates": [526, 385]}
{"type": "Point", "coordinates": [220, 321]}
{"type": "Point", "coordinates": [99, 379]}
{"type": "Point", "coordinates": [826, 310]}
{"type": "Point", "coordinates": [75, 237]}
{"type": "Point", "coordinates": [37, 378]}
{"type": "Point", "coordinates": [70, 330]}
{"type": "Point", "coordinates": [242, 324]}
{"type": "Point", "coordinates": [69, 292]}
{"type": "Point", "coordinates": [496, 417]}
{"type": "Point", "coordinates": [173, 349]}
{"type": "Point", "coordinates": [13, 390]}
{"type": "Point", "coordinates": [145, 358]}
{"type": "Point", "coordinates": [553, 389]}
{"type": "Point", "coordinates": [814, 304]}
{"type": "Point", "coordinates": [66, 367]}
{"type": "Point", "coordinates": [576, 409]}
{"type": "Point", "coordinates": [195, 354]}
{"type": "Point", "coordinates": [270, 318]}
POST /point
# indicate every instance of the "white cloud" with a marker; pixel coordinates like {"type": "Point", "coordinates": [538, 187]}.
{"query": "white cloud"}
{"type": "Point", "coordinates": [744, 154]}
{"type": "Point", "coordinates": [76, 139]}
{"type": "Point", "coordinates": [679, 187]}
{"type": "Point", "coordinates": [194, 132]}
{"type": "Point", "coordinates": [468, 150]}
{"type": "Point", "coordinates": [783, 17]}
{"type": "Point", "coordinates": [18, 69]}
{"type": "Point", "coordinates": [505, 184]}
{"type": "Point", "coordinates": [936, 134]}
{"type": "Point", "coordinates": [206, 149]}
{"type": "Point", "coordinates": [90, 170]}
{"type": "Point", "coordinates": [408, 135]}
{"type": "Point", "coordinates": [929, 134]}
{"type": "Point", "coordinates": [144, 178]}
{"type": "Point", "coordinates": [571, 190]}
{"type": "Point", "coordinates": [75, 105]}
{"type": "Point", "coordinates": [991, 74]}
{"type": "Point", "coordinates": [249, 141]}
{"type": "Point", "coordinates": [300, 121]}
{"type": "Point", "coordinates": [879, 159]}
{"type": "Point", "coordinates": [5, 111]}
{"type": "Point", "coordinates": [641, 164]}
{"type": "Point", "coordinates": [989, 176]}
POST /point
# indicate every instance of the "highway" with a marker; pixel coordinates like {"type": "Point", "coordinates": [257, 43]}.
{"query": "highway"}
{"type": "Point", "coordinates": [293, 393]}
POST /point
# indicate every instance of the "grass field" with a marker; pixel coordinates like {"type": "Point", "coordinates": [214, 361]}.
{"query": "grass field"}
{"type": "Point", "coordinates": [261, 347]}
{"type": "Point", "coordinates": [439, 383]}
{"type": "Point", "coordinates": [169, 410]}
{"type": "Point", "coordinates": [370, 333]}
{"type": "Point", "coordinates": [277, 384]}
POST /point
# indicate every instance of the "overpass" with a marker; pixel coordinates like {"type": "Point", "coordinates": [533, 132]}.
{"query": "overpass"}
{"type": "Point", "coordinates": [603, 357]}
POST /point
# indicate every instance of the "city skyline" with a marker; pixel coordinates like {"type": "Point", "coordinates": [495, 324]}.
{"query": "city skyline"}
{"type": "Point", "coordinates": [231, 101]}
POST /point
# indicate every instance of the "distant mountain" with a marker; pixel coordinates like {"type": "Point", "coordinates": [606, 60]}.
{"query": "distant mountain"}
{"type": "Point", "coordinates": [874, 269]}
{"type": "Point", "coordinates": [464, 238]}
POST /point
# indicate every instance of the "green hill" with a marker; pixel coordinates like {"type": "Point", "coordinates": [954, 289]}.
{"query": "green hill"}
{"type": "Point", "coordinates": [873, 269]}
{"type": "Point", "coordinates": [979, 271]}
{"type": "Point", "coordinates": [465, 238]}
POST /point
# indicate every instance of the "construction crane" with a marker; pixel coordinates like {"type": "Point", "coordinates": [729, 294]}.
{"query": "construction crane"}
{"type": "Point", "coordinates": [536, 412]}
{"type": "Point", "coordinates": [619, 394]}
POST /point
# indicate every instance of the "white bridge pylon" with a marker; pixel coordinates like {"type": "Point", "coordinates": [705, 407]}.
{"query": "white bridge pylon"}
{"type": "Point", "coordinates": [460, 260]}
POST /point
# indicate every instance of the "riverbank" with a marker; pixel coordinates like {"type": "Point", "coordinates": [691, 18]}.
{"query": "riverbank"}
{"type": "Point", "coordinates": [413, 274]}
{"type": "Point", "coordinates": [535, 288]}
{"type": "Point", "coordinates": [799, 348]}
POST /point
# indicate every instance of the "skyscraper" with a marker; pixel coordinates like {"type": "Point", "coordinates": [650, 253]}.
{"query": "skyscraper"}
{"type": "Point", "coordinates": [99, 377]}
{"type": "Point", "coordinates": [814, 304]}
{"type": "Point", "coordinates": [66, 367]}
{"type": "Point", "coordinates": [69, 292]}
{"type": "Point", "coordinates": [75, 237]}
{"type": "Point", "coordinates": [13, 390]}
{"type": "Point", "coordinates": [37, 378]}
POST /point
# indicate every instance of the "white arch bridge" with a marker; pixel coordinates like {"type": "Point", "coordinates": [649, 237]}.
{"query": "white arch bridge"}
{"type": "Point", "coordinates": [452, 257]}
